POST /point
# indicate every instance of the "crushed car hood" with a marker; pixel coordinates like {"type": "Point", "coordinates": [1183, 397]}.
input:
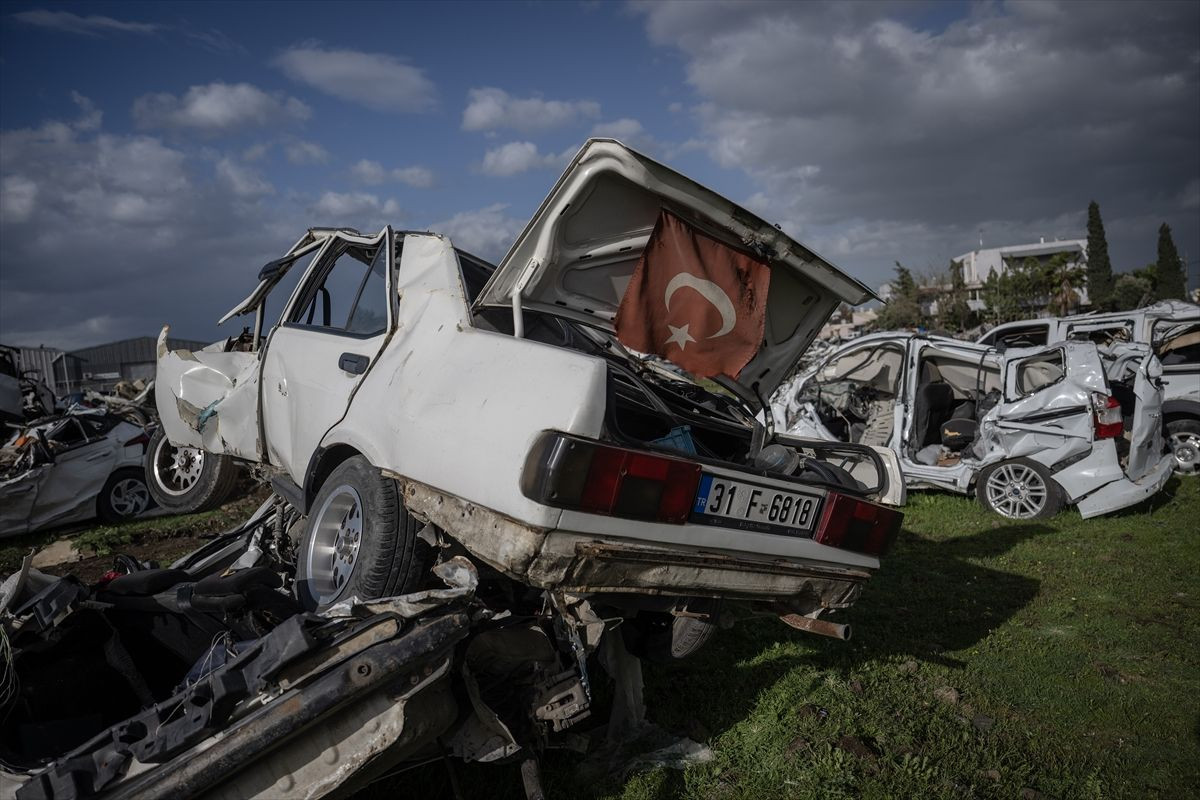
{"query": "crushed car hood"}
{"type": "Point", "coordinates": [577, 254]}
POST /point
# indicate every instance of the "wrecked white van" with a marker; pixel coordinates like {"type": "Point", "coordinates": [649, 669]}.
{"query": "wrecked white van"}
{"type": "Point", "coordinates": [406, 396]}
{"type": "Point", "coordinates": [1028, 430]}
{"type": "Point", "coordinates": [1170, 327]}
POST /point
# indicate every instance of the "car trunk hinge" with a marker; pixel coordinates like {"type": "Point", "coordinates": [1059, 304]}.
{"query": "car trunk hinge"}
{"type": "Point", "coordinates": [519, 289]}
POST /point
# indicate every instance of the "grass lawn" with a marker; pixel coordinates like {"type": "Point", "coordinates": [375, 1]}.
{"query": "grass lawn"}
{"type": "Point", "coordinates": [989, 659]}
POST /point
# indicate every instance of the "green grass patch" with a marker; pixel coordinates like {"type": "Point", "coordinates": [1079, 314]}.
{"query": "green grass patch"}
{"type": "Point", "coordinates": [1056, 658]}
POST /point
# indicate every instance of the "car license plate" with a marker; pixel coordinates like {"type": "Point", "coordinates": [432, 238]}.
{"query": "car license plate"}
{"type": "Point", "coordinates": [749, 506]}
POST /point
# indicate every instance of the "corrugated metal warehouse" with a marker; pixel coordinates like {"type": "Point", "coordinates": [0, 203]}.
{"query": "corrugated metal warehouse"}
{"type": "Point", "coordinates": [99, 367]}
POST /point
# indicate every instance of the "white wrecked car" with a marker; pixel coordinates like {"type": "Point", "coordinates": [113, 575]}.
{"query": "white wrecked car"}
{"type": "Point", "coordinates": [1028, 430]}
{"type": "Point", "coordinates": [85, 464]}
{"type": "Point", "coordinates": [1170, 327]}
{"type": "Point", "coordinates": [406, 394]}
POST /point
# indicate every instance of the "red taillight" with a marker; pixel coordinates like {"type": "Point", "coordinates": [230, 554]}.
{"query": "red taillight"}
{"type": "Point", "coordinates": [1108, 424]}
{"type": "Point", "coordinates": [578, 473]}
{"type": "Point", "coordinates": [853, 524]}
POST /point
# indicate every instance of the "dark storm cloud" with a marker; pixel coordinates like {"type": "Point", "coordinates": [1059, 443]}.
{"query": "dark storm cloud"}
{"type": "Point", "coordinates": [107, 236]}
{"type": "Point", "coordinates": [875, 138]}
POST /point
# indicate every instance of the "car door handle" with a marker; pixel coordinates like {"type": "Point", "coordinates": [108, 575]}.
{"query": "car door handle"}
{"type": "Point", "coordinates": [354, 364]}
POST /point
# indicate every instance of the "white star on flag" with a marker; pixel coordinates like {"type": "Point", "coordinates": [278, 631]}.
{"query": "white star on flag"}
{"type": "Point", "coordinates": [679, 336]}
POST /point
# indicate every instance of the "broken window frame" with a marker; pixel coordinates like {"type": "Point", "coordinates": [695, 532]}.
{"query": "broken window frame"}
{"type": "Point", "coordinates": [1013, 389]}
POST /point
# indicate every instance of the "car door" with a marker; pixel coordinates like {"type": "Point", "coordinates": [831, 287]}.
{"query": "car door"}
{"type": "Point", "coordinates": [83, 459]}
{"type": "Point", "coordinates": [332, 331]}
{"type": "Point", "coordinates": [955, 477]}
{"type": "Point", "coordinates": [1045, 412]}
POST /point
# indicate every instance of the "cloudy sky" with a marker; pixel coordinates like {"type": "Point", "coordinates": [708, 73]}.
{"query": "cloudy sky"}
{"type": "Point", "coordinates": [153, 156]}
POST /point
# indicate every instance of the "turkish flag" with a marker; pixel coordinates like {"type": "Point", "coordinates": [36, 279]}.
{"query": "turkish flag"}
{"type": "Point", "coordinates": [694, 301]}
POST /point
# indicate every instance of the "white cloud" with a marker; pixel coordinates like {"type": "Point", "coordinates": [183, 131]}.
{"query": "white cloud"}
{"type": "Point", "coordinates": [487, 232]}
{"type": "Point", "coordinates": [369, 172]}
{"type": "Point", "coordinates": [256, 152]}
{"type": "Point", "coordinates": [375, 80]}
{"type": "Point", "coordinates": [373, 173]}
{"type": "Point", "coordinates": [91, 25]}
{"type": "Point", "coordinates": [490, 109]}
{"type": "Point", "coordinates": [241, 180]}
{"type": "Point", "coordinates": [416, 177]}
{"type": "Point", "coordinates": [218, 108]}
{"type": "Point", "coordinates": [517, 157]}
{"type": "Point", "coordinates": [299, 151]}
{"type": "Point", "coordinates": [106, 236]}
{"type": "Point", "coordinates": [18, 198]}
{"type": "Point", "coordinates": [355, 208]}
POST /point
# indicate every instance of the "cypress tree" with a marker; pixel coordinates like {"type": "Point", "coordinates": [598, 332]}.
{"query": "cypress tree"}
{"type": "Point", "coordinates": [1171, 285]}
{"type": "Point", "coordinates": [1099, 270]}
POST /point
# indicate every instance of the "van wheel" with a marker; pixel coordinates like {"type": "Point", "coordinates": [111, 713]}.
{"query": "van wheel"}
{"type": "Point", "coordinates": [359, 540]}
{"type": "Point", "coordinates": [1019, 489]}
{"type": "Point", "coordinates": [185, 480]}
{"type": "Point", "coordinates": [124, 496]}
{"type": "Point", "coordinates": [1183, 437]}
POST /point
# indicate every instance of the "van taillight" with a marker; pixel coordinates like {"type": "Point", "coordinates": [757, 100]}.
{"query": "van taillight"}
{"type": "Point", "coordinates": [1107, 421]}
{"type": "Point", "coordinates": [567, 472]}
{"type": "Point", "coordinates": [853, 524]}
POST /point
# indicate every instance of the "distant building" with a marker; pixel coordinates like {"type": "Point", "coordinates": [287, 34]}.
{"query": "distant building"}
{"type": "Point", "coordinates": [848, 325]}
{"type": "Point", "coordinates": [977, 265]}
{"type": "Point", "coordinates": [103, 366]}
{"type": "Point", "coordinates": [99, 367]}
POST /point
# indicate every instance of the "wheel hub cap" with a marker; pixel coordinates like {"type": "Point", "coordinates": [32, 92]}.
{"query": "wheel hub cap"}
{"type": "Point", "coordinates": [1186, 448]}
{"type": "Point", "coordinates": [129, 497]}
{"type": "Point", "coordinates": [177, 469]}
{"type": "Point", "coordinates": [334, 544]}
{"type": "Point", "coordinates": [1016, 491]}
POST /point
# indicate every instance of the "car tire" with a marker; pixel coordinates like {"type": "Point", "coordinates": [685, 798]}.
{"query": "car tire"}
{"type": "Point", "coordinates": [125, 495]}
{"type": "Point", "coordinates": [662, 638]}
{"type": "Point", "coordinates": [184, 480]}
{"type": "Point", "coordinates": [1183, 437]}
{"type": "Point", "coordinates": [359, 539]}
{"type": "Point", "coordinates": [1019, 489]}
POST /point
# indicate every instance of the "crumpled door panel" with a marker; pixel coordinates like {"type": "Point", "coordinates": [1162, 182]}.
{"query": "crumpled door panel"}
{"type": "Point", "coordinates": [209, 399]}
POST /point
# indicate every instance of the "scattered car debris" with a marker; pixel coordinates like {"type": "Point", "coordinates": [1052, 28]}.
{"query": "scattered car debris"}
{"type": "Point", "coordinates": [1027, 430]}
{"type": "Point", "coordinates": [1170, 327]}
{"type": "Point", "coordinates": [86, 463]}
{"type": "Point", "coordinates": [133, 401]}
{"type": "Point", "coordinates": [209, 677]}
{"type": "Point", "coordinates": [24, 396]}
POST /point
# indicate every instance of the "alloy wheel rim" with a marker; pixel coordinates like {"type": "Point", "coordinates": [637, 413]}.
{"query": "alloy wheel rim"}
{"type": "Point", "coordinates": [1016, 491]}
{"type": "Point", "coordinates": [177, 469]}
{"type": "Point", "coordinates": [129, 497]}
{"type": "Point", "coordinates": [1186, 448]}
{"type": "Point", "coordinates": [334, 544]}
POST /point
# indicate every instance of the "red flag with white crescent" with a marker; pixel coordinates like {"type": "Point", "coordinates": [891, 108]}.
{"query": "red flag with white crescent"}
{"type": "Point", "coordinates": [694, 301]}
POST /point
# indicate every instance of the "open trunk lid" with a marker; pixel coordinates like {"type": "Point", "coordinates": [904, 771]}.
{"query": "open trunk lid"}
{"type": "Point", "coordinates": [576, 256]}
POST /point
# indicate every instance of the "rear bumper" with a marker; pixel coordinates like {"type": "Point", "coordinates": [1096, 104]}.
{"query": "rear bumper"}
{"type": "Point", "coordinates": [1124, 492]}
{"type": "Point", "coordinates": [596, 562]}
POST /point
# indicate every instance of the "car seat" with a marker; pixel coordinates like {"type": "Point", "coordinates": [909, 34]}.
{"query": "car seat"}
{"type": "Point", "coordinates": [933, 405]}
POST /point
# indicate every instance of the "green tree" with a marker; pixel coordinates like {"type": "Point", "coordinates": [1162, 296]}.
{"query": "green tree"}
{"type": "Point", "coordinates": [1171, 283]}
{"type": "Point", "coordinates": [903, 308]}
{"type": "Point", "coordinates": [1058, 279]}
{"type": "Point", "coordinates": [953, 312]}
{"type": "Point", "coordinates": [1131, 290]}
{"type": "Point", "coordinates": [1099, 269]}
